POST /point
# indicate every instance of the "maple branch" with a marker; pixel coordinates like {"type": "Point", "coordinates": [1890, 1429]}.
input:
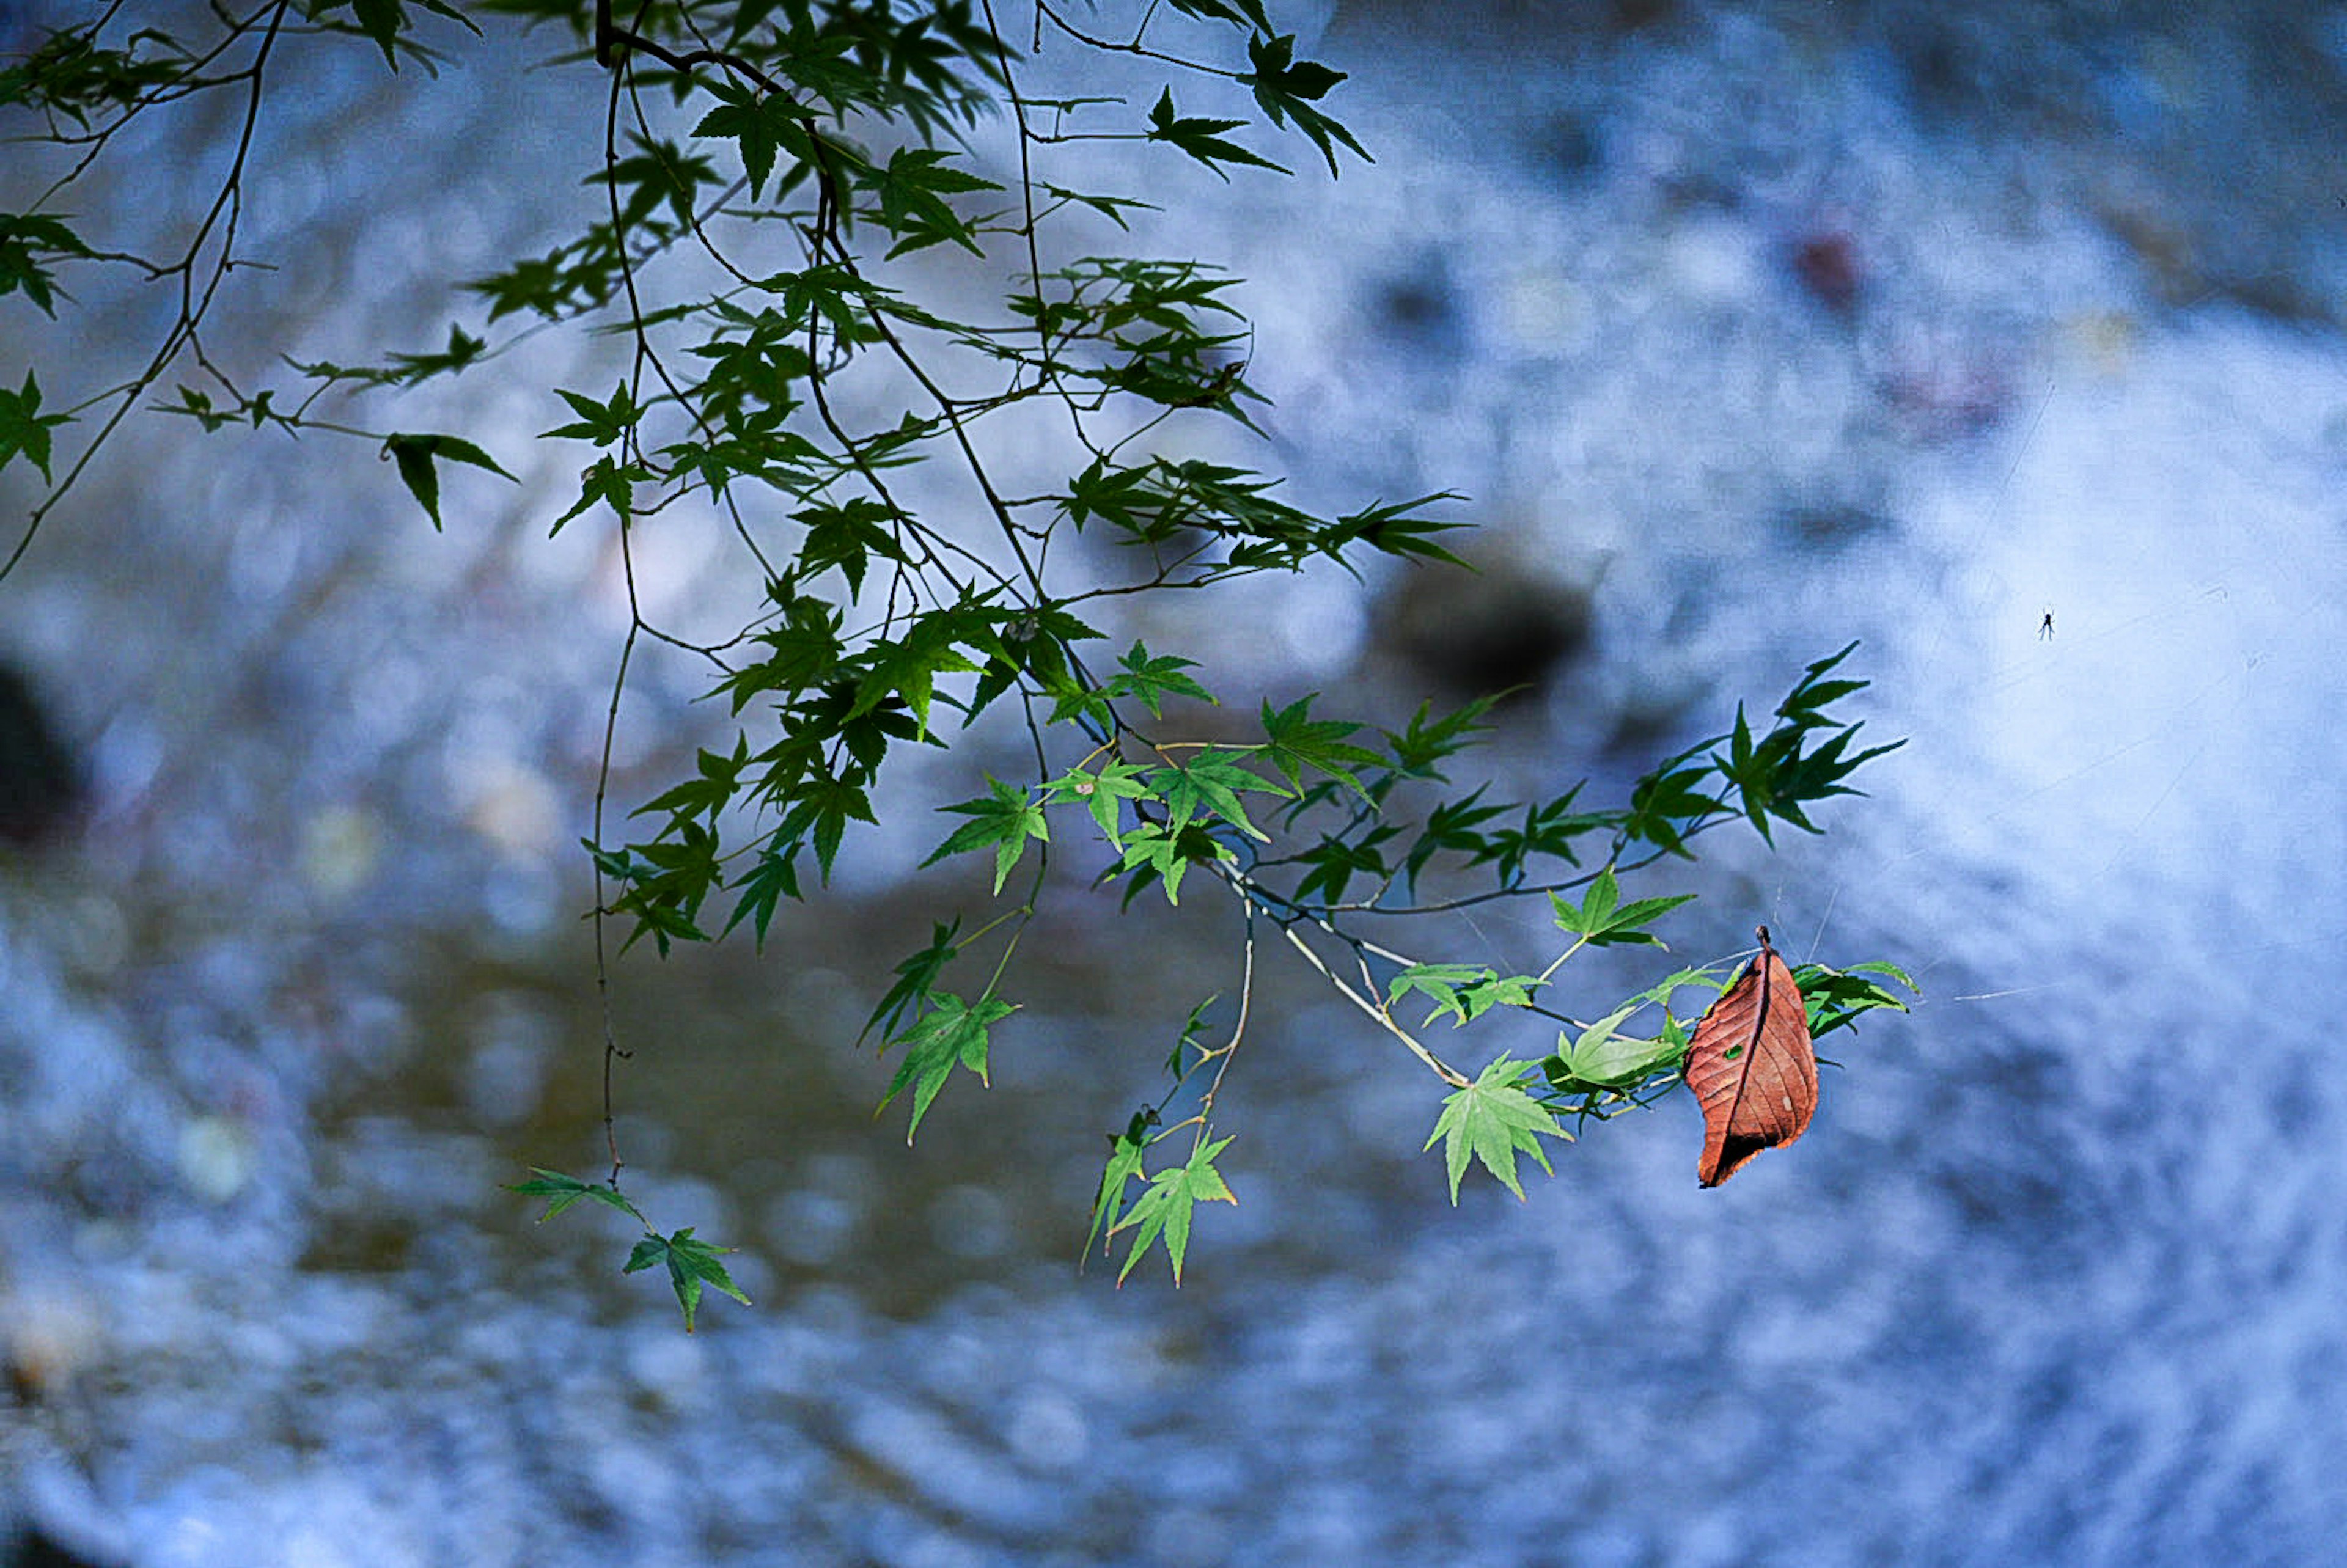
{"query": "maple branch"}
{"type": "Point", "coordinates": [1442, 1069]}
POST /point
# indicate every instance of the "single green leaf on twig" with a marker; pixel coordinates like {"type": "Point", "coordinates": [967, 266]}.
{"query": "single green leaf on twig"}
{"type": "Point", "coordinates": [1100, 791]}
{"type": "Point", "coordinates": [1285, 87]}
{"type": "Point", "coordinates": [692, 1264]}
{"type": "Point", "coordinates": [1837, 997]}
{"type": "Point", "coordinates": [1162, 854]}
{"type": "Point", "coordinates": [25, 238]}
{"type": "Point", "coordinates": [561, 1192]}
{"type": "Point", "coordinates": [1152, 678]}
{"type": "Point", "coordinates": [1601, 1057]}
{"type": "Point", "coordinates": [1203, 138]}
{"type": "Point", "coordinates": [763, 887]}
{"type": "Point", "coordinates": [660, 174]}
{"type": "Point", "coordinates": [1804, 707]}
{"type": "Point", "coordinates": [601, 422]}
{"type": "Point", "coordinates": [1601, 919]}
{"type": "Point", "coordinates": [949, 1033]}
{"type": "Point", "coordinates": [912, 188]}
{"type": "Point", "coordinates": [916, 976]}
{"type": "Point", "coordinates": [414, 456]}
{"type": "Point", "coordinates": [1549, 829]}
{"type": "Point", "coordinates": [1125, 1154]}
{"type": "Point", "coordinates": [1427, 739]}
{"type": "Point", "coordinates": [765, 126]}
{"type": "Point", "coordinates": [23, 427]}
{"type": "Point", "coordinates": [1669, 803]}
{"type": "Point", "coordinates": [1005, 820]}
{"type": "Point", "coordinates": [1334, 862]}
{"type": "Point", "coordinates": [1165, 1210]}
{"type": "Point", "coordinates": [1295, 741]}
{"type": "Point", "coordinates": [1210, 783]}
{"type": "Point", "coordinates": [1494, 1120]}
{"type": "Point", "coordinates": [1464, 991]}
{"type": "Point", "coordinates": [1454, 827]}
{"type": "Point", "coordinates": [1188, 1040]}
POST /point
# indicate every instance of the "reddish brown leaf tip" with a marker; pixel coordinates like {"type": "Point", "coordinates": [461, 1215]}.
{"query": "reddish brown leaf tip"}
{"type": "Point", "coordinates": [1751, 1066]}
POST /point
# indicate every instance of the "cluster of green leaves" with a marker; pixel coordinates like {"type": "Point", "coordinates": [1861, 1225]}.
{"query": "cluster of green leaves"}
{"type": "Point", "coordinates": [1601, 1068]}
{"type": "Point", "coordinates": [692, 1265]}
{"type": "Point", "coordinates": [1340, 809]}
{"type": "Point", "coordinates": [808, 156]}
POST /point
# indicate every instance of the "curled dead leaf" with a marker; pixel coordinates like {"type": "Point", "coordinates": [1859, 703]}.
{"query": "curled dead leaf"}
{"type": "Point", "coordinates": [1751, 1066]}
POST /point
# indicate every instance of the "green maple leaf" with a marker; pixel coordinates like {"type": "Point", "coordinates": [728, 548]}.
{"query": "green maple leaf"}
{"type": "Point", "coordinates": [1837, 997]}
{"type": "Point", "coordinates": [1439, 983]}
{"type": "Point", "coordinates": [847, 535]}
{"type": "Point", "coordinates": [1494, 1120]}
{"type": "Point", "coordinates": [1126, 1150]}
{"type": "Point", "coordinates": [828, 806]}
{"type": "Point", "coordinates": [561, 1192]}
{"type": "Point", "coordinates": [910, 667]}
{"type": "Point", "coordinates": [1152, 678]}
{"type": "Point", "coordinates": [383, 21]}
{"type": "Point", "coordinates": [1282, 86]}
{"type": "Point", "coordinates": [692, 1264]}
{"type": "Point", "coordinates": [1335, 861]}
{"type": "Point", "coordinates": [912, 188]}
{"type": "Point", "coordinates": [1299, 741]}
{"type": "Point", "coordinates": [1211, 781]}
{"type": "Point", "coordinates": [763, 887]}
{"type": "Point", "coordinates": [1168, 853]}
{"type": "Point", "coordinates": [23, 427]}
{"type": "Point", "coordinates": [601, 422]}
{"type": "Point", "coordinates": [415, 455]}
{"type": "Point", "coordinates": [1166, 1208]}
{"type": "Point", "coordinates": [1601, 919]}
{"type": "Point", "coordinates": [1665, 799]}
{"type": "Point", "coordinates": [1101, 791]}
{"type": "Point", "coordinates": [916, 979]}
{"type": "Point", "coordinates": [1463, 990]}
{"type": "Point", "coordinates": [952, 1032]}
{"type": "Point", "coordinates": [1203, 138]}
{"type": "Point", "coordinates": [1600, 1057]}
{"type": "Point", "coordinates": [23, 237]}
{"type": "Point", "coordinates": [763, 125]}
{"type": "Point", "coordinates": [1007, 819]}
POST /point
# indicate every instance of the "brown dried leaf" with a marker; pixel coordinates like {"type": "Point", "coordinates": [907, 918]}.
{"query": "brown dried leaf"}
{"type": "Point", "coordinates": [1751, 1066]}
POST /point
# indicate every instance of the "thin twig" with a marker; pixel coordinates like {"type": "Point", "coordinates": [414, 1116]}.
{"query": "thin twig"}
{"type": "Point", "coordinates": [1383, 1018]}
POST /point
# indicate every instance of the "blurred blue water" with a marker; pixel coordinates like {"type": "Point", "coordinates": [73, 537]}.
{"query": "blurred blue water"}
{"type": "Point", "coordinates": [2054, 1279]}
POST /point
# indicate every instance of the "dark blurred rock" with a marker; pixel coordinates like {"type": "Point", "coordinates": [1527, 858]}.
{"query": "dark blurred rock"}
{"type": "Point", "coordinates": [41, 783]}
{"type": "Point", "coordinates": [1827, 264]}
{"type": "Point", "coordinates": [1568, 145]}
{"type": "Point", "coordinates": [1505, 626]}
{"type": "Point", "coordinates": [1507, 23]}
{"type": "Point", "coordinates": [1422, 311]}
{"type": "Point", "coordinates": [1631, 16]}
{"type": "Point", "coordinates": [1826, 522]}
{"type": "Point", "coordinates": [34, 1549]}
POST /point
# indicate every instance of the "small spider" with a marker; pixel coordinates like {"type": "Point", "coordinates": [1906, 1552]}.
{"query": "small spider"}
{"type": "Point", "coordinates": [2045, 627]}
